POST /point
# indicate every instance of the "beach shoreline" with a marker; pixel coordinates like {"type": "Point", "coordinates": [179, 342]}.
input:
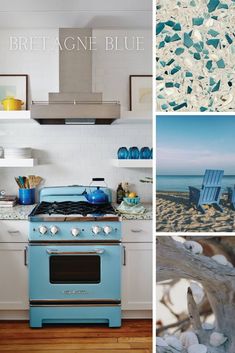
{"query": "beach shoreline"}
{"type": "Point", "coordinates": [174, 214]}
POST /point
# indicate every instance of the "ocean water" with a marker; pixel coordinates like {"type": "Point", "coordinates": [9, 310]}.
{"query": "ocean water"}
{"type": "Point", "coordinates": [182, 182]}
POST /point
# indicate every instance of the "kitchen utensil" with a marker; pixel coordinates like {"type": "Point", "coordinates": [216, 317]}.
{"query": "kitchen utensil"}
{"type": "Point", "coordinates": [21, 180]}
{"type": "Point", "coordinates": [132, 200]}
{"type": "Point", "coordinates": [145, 153]}
{"type": "Point", "coordinates": [134, 153]}
{"type": "Point", "coordinates": [97, 196]}
{"type": "Point", "coordinates": [26, 196]}
{"type": "Point", "coordinates": [10, 103]}
{"type": "Point", "coordinates": [123, 153]}
{"type": "Point", "coordinates": [26, 183]}
{"type": "Point", "coordinates": [34, 181]}
{"type": "Point", "coordinates": [30, 182]}
{"type": "Point", "coordinates": [18, 183]}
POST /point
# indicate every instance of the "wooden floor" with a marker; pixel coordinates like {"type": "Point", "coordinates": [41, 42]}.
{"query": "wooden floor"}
{"type": "Point", "coordinates": [133, 337]}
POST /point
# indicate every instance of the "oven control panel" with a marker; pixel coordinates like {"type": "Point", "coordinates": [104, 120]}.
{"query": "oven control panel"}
{"type": "Point", "coordinates": [75, 231]}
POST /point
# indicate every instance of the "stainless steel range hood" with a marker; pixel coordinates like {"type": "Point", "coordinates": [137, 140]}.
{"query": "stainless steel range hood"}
{"type": "Point", "coordinates": [75, 103]}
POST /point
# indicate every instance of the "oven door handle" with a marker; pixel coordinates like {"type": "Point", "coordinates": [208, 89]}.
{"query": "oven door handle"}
{"type": "Point", "coordinates": [92, 252]}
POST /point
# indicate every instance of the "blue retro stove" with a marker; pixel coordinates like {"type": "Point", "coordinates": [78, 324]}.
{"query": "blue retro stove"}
{"type": "Point", "coordinates": [74, 259]}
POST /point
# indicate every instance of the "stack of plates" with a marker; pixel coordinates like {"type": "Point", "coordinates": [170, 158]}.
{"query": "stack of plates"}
{"type": "Point", "coordinates": [18, 153]}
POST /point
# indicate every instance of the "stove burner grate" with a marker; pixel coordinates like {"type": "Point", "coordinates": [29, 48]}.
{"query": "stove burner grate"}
{"type": "Point", "coordinates": [71, 207]}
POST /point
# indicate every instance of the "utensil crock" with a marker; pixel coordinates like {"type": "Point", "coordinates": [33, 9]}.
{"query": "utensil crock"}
{"type": "Point", "coordinates": [26, 196]}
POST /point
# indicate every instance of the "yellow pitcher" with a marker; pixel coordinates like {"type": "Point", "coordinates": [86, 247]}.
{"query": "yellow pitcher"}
{"type": "Point", "coordinates": [10, 103]}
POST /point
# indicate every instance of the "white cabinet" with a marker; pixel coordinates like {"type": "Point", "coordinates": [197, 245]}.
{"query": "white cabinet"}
{"type": "Point", "coordinates": [137, 277]}
{"type": "Point", "coordinates": [137, 266]}
{"type": "Point", "coordinates": [13, 277]}
{"type": "Point", "coordinates": [13, 269]}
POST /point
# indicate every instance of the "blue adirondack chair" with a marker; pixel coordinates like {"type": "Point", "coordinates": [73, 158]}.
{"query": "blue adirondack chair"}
{"type": "Point", "coordinates": [210, 192]}
{"type": "Point", "coordinates": [231, 196]}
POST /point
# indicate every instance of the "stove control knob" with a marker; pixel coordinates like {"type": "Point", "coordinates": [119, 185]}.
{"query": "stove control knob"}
{"type": "Point", "coordinates": [107, 230]}
{"type": "Point", "coordinates": [54, 230]}
{"type": "Point", "coordinates": [75, 232]}
{"type": "Point", "coordinates": [42, 230]}
{"type": "Point", "coordinates": [96, 230]}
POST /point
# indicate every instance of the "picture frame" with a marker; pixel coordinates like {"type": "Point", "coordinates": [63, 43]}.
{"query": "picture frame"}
{"type": "Point", "coordinates": [14, 85]}
{"type": "Point", "coordinates": [140, 92]}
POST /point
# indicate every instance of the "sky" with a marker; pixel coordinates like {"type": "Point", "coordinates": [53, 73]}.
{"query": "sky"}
{"type": "Point", "coordinates": [187, 145]}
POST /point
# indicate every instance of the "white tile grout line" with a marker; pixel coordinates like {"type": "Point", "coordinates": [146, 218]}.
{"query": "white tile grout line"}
{"type": "Point", "coordinates": [154, 314]}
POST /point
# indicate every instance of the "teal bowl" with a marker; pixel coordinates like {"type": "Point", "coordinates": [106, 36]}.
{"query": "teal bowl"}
{"type": "Point", "coordinates": [132, 200]}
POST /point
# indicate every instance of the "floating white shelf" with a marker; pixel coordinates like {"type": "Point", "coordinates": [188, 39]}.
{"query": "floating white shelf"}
{"type": "Point", "coordinates": [20, 116]}
{"type": "Point", "coordinates": [30, 162]}
{"type": "Point", "coordinates": [132, 163]}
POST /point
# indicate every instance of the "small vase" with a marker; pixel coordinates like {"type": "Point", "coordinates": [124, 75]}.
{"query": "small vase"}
{"type": "Point", "coordinates": [145, 153]}
{"type": "Point", "coordinates": [134, 153]}
{"type": "Point", "coordinates": [123, 153]}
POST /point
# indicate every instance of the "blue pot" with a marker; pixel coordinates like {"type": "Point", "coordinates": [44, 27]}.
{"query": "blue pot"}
{"type": "Point", "coordinates": [145, 153]}
{"type": "Point", "coordinates": [134, 153]}
{"type": "Point", "coordinates": [123, 153]}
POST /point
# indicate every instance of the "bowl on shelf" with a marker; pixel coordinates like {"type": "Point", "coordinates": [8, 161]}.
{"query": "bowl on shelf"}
{"type": "Point", "coordinates": [123, 153]}
{"type": "Point", "coordinates": [134, 153]}
{"type": "Point", "coordinates": [132, 200]}
{"type": "Point", "coordinates": [145, 153]}
{"type": "Point", "coordinates": [18, 153]}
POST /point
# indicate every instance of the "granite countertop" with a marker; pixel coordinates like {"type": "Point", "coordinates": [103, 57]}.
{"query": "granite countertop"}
{"type": "Point", "coordinates": [195, 55]}
{"type": "Point", "coordinates": [21, 213]}
{"type": "Point", "coordinates": [17, 212]}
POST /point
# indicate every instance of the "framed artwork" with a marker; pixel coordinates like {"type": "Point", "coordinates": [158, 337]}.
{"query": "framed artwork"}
{"type": "Point", "coordinates": [141, 92]}
{"type": "Point", "coordinates": [13, 85]}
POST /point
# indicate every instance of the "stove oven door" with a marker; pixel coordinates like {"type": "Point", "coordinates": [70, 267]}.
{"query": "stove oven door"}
{"type": "Point", "coordinates": [74, 273]}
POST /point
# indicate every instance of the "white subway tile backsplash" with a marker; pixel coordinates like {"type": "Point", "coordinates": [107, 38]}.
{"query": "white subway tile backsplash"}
{"type": "Point", "coordinates": [75, 154]}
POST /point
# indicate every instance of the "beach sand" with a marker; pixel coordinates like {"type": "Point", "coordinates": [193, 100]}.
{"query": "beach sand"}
{"type": "Point", "coordinates": [175, 215]}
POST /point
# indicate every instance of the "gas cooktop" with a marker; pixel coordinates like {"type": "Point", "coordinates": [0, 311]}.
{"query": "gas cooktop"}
{"type": "Point", "coordinates": [64, 215]}
{"type": "Point", "coordinates": [70, 208]}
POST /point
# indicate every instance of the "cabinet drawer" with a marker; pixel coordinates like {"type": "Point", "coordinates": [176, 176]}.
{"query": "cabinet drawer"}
{"type": "Point", "coordinates": [13, 231]}
{"type": "Point", "coordinates": [137, 231]}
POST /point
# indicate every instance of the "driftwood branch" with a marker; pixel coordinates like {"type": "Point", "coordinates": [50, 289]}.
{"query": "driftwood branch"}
{"type": "Point", "coordinates": [193, 311]}
{"type": "Point", "coordinates": [175, 262]}
{"type": "Point", "coordinates": [181, 323]}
